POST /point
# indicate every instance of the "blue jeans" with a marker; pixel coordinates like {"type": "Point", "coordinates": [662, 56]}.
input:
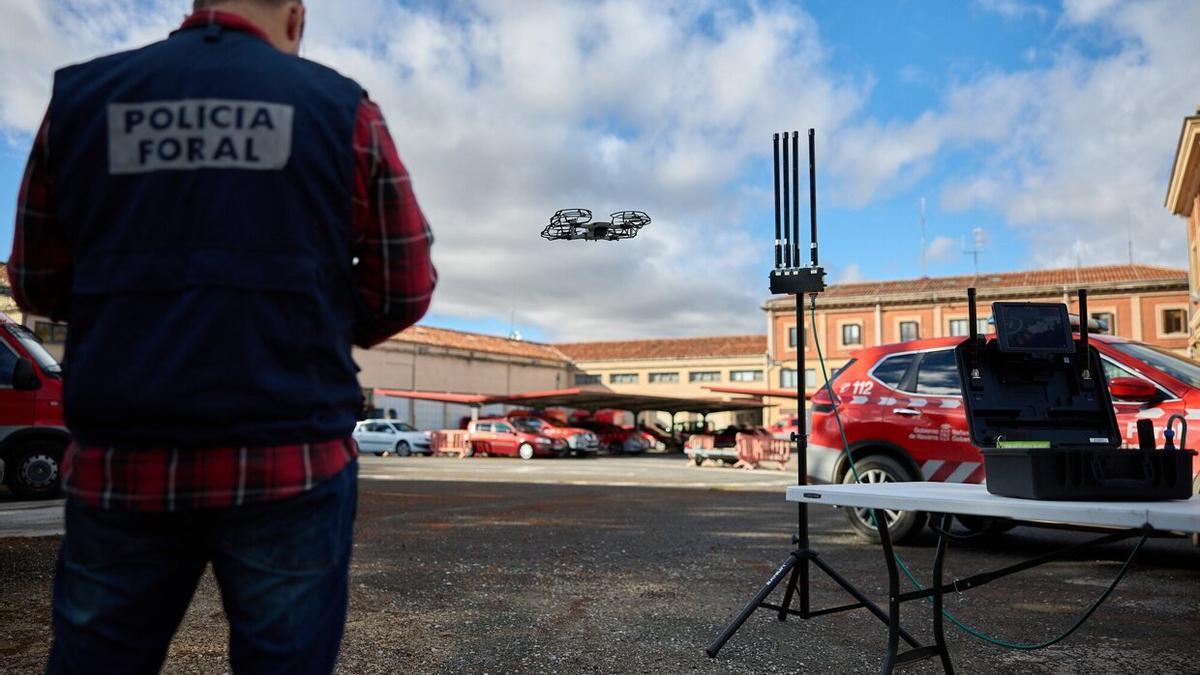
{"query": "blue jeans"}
{"type": "Point", "coordinates": [124, 581]}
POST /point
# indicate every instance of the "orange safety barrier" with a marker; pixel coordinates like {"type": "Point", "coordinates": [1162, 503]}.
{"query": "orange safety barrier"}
{"type": "Point", "coordinates": [698, 442]}
{"type": "Point", "coordinates": [449, 442]}
{"type": "Point", "coordinates": [754, 449]}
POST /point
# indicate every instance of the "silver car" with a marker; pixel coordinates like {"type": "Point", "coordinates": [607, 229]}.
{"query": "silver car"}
{"type": "Point", "coordinates": [383, 437]}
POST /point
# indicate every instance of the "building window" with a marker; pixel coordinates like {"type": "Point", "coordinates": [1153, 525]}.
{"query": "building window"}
{"type": "Point", "coordinates": [810, 378]}
{"type": "Point", "coordinates": [582, 378]}
{"type": "Point", "coordinates": [959, 327]}
{"type": "Point", "coordinates": [787, 378]}
{"type": "Point", "coordinates": [851, 334]}
{"type": "Point", "coordinates": [1107, 322]}
{"type": "Point", "coordinates": [909, 330]}
{"type": "Point", "coordinates": [623, 378]}
{"type": "Point", "coordinates": [745, 375]}
{"type": "Point", "coordinates": [50, 333]}
{"type": "Point", "coordinates": [1173, 321]}
{"type": "Point", "coordinates": [663, 378]}
{"type": "Point", "coordinates": [704, 376]}
{"type": "Point", "coordinates": [792, 337]}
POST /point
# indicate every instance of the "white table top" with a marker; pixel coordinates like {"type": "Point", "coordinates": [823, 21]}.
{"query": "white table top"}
{"type": "Point", "coordinates": [975, 500]}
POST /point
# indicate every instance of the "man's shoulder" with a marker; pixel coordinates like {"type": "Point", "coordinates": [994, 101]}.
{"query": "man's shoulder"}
{"type": "Point", "coordinates": [103, 62]}
{"type": "Point", "coordinates": [323, 71]}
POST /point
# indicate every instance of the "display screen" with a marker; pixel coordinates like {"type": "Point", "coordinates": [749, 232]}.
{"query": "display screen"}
{"type": "Point", "coordinates": [1033, 327]}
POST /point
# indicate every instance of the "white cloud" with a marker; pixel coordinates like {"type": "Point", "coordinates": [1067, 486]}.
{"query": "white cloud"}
{"type": "Point", "coordinates": [850, 274]}
{"type": "Point", "coordinates": [943, 249]}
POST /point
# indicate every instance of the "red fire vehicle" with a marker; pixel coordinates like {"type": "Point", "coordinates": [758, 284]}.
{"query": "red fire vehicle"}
{"type": "Point", "coordinates": [617, 440]}
{"type": "Point", "coordinates": [579, 441]}
{"type": "Point", "coordinates": [902, 410]}
{"type": "Point", "coordinates": [32, 434]}
{"type": "Point", "coordinates": [503, 436]}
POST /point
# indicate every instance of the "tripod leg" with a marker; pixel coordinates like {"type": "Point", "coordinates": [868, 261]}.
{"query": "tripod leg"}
{"type": "Point", "coordinates": [715, 645]}
{"type": "Point", "coordinates": [791, 589]}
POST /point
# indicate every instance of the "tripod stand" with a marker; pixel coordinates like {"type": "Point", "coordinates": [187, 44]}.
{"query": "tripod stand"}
{"type": "Point", "coordinates": [790, 278]}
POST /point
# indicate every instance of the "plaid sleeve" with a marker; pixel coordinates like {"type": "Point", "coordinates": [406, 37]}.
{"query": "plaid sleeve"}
{"type": "Point", "coordinates": [40, 267]}
{"type": "Point", "coordinates": [394, 275]}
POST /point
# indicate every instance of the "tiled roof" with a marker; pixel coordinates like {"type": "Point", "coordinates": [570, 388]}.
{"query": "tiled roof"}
{"type": "Point", "coordinates": [1052, 278]}
{"type": "Point", "coordinates": [666, 348]}
{"type": "Point", "coordinates": [453, 339]}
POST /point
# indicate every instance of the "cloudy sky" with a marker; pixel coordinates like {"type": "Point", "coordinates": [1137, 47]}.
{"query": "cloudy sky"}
{"type": "Point", "coordinates": [1049, 125]}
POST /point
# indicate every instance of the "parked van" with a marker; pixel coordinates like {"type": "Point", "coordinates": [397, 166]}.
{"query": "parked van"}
{"type": "Point", "coordinates": [32, 434]}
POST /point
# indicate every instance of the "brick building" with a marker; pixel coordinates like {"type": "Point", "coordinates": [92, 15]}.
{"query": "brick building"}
{"type": "Point", "coordinates": [1183, 199]}
{"type": "Point", "coordinates": [1142, 302]}
{"type": "Point", "coordinates": [680, 367]}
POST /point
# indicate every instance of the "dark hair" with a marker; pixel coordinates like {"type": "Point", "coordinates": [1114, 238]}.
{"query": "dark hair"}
{"type": "Point", "coordinates": [198, 5]}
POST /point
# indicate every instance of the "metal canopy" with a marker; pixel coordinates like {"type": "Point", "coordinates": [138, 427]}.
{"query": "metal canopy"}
{"type": "Point", "coordinates": [591, 399]}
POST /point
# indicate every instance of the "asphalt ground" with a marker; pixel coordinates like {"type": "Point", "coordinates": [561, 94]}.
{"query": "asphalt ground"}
{"type": "Point", "coordinates": [632, 565]}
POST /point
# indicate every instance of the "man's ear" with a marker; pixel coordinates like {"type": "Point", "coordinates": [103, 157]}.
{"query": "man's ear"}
{"type": "Point", "coordinates": [295, 24]}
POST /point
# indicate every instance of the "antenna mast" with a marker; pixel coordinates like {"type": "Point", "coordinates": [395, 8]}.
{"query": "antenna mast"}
{"type": "Point", "coordinates": [977, 238]}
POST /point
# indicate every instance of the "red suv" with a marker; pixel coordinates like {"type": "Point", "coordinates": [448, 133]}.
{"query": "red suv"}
{"type": "Point", "coordinates": [617, 440]}
{"type": "Point", "coordinates": [32, 434]}
{"type": "Point", "coordinates": [901, 406]}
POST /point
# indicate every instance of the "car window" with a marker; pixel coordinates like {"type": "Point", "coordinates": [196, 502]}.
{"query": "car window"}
{"type": "Point", "coordinates": [1112, 370]}
{"type": "Point", "coordinates": [502, 428]}
{"type": "Point", "coordinates": [1178, 367]}
{"type": "Point", "coordinates": [401, 426]}
{"type": "Point", "coordinates": [532, 423]}
{"type": "Point", "coordinates": [891, 370]}
{"type": "Point", "coordinates": [938, 374]}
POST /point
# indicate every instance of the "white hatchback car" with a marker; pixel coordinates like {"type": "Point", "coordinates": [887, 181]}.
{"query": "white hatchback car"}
{"type": "Point", "coordinates": [387, 436]}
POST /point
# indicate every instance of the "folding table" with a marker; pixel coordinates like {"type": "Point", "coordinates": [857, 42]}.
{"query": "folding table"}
{"type": "Point", "coordinates": [1128, 519]}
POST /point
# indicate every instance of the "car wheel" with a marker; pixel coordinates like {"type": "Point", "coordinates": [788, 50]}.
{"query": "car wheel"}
{"type": "Point", "coordinates": [382, 453]}
{"type": "Point", "coordinates": [34, 471]}
{"type": "Point", "coordinates": [470, 450]}
{"type": "Point", "coordinates": [403, 449]}
{"type": "Point", "coordinates": [615, 448]}
{"type": "Point", "coordinates": [902, 525]}
{"type": "Point", "coordinates": [525, 451]}
{"type": "Point", "coordinates": [697, 459]}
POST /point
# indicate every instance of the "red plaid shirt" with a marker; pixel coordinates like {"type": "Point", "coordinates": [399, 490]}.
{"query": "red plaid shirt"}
{"type": "Point", "coordinates": [394, 278]}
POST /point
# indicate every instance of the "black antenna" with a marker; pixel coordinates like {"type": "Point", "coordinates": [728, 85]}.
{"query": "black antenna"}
{"type": "Point", "coordinates": [787, 250]}
{"type": "Point", "coordinates": [1083, 326]}
{"type": "Point", "coordinates": [812, 191]}
{"type": "Point", "coordinates": [972, 316]}
{"type": "Point", "coordinates": [796, 198]}
{"type": "Point", "coordinates": [779, 241]}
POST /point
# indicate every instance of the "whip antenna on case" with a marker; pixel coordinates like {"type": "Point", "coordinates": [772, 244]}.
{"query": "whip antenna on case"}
{"type": "Point", "coordinates": [796, 198]}
{"type": "Point", "coordinates": [972, 316]}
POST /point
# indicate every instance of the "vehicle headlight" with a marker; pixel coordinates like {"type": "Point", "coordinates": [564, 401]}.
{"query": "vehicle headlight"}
{"type": "Point", "coordinates": [542, 441]}
{"type": "Point", "coordinates": [574, 441]}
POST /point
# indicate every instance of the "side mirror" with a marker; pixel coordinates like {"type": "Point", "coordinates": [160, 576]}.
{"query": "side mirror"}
{"type": "Point", "coordinates": [1132, 389]}
{"type": "Point", "coordinates": [24, 377]}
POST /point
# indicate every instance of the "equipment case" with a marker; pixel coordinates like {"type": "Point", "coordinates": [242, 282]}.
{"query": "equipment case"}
{"type": "Point", "coordinates": [1039, 409]}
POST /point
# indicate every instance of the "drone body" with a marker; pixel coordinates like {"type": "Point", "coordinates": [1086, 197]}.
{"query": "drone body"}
{"type": "Point", "coordinates": [577, 224]}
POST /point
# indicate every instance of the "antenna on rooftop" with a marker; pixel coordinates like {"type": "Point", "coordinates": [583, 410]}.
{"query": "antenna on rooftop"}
{"type": "Point", "coordinates": [977, 247]}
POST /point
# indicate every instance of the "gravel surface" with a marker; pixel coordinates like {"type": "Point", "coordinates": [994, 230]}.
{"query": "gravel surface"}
{"type": "Point", "coordinates": [502, 577]}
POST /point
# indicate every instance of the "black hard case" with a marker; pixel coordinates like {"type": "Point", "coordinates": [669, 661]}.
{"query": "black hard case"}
{"type": "Point", "coordinates": [1046, 397]}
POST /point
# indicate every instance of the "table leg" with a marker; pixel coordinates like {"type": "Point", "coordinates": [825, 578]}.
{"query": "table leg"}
{"type": "Point", "coordinates": [889, 658]}
{"type": "Point", "coordinates": [939, 635]}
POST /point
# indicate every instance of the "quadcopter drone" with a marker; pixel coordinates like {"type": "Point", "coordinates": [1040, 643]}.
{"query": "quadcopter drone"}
{"type": "Point", "coordinates": [577, 224]}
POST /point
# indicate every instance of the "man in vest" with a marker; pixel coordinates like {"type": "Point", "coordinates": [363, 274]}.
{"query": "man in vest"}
{"type": "Point", "coordinates": [218, 221]}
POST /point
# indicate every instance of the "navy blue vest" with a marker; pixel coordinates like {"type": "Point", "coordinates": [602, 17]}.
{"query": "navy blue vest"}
{"type": "Point", "coordinates": [205, 184]}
